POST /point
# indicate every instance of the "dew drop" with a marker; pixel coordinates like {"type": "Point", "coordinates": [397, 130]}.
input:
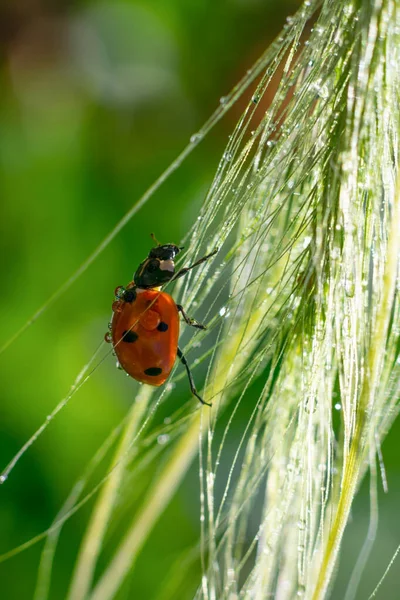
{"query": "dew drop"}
{"type": "Point", "coordinates": [349, 287]}
{"type": "Point", "coordinates": [222, 311]}
{"type": "Point", "coordinates": [255, 99]}
{"type": "Point", "coordinates": [163, 439]}
{"type": "Point", "coordinates": [301, 525]}
{"type": "Point", "coordinates": [116, 307]}
{"type": "Point", "coordinates": [119, 366]}
{"type": "Point", "coordinates": [196, 137]}
{"type": "Point", "coordinates": [223, 100]}
{"type": "Point", "coordinates": [108, 337]}
{"type": "Point", "coordinates": [321, 90]}
{"type": "Point", "coordinates": [3, 478]}
{"type": "Point", "coordinates": [338, 406]}
{"type": "Point", "coordinates": [210, 479]}
{"type": "Point", "coordinates": [119, 291]}
{"type": "Point", "coordinates": [227, 156]}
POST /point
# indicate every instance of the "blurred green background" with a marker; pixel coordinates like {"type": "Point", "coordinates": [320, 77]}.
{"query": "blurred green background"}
{"type": "Point", "coordinates": [97, 98]}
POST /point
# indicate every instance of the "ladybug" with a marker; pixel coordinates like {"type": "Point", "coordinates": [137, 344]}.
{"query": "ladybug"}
{"type": "Point", "coordinates": [144, 329]}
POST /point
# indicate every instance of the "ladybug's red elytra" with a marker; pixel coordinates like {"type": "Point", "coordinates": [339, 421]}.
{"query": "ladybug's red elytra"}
{"type": "Point", "coordinates": [145, 322]}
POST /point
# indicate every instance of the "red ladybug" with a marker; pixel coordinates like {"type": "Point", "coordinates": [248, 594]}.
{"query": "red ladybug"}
{"type": "Point", "coordinates": [145, 323]}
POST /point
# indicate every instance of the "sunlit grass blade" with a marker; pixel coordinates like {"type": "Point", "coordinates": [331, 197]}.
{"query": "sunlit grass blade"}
{"type": "Point", "coordinates": [102, 512]}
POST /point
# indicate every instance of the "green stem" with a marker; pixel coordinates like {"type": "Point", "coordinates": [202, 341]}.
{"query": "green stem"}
{"type": "Point", "coordinates": [156, 500]}
{"type": "Point", "coordinates": [93, 539]}
{"type": "Point", "coordinates": [373, 367]}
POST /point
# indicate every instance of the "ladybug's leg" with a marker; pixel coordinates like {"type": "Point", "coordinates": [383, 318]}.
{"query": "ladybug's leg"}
{"type": "Point", "coordinates": [188, 320]}
{"type": "Point", "coordinates": [183, 360]}
{"type": "Point", "coordinates": [196, 264]}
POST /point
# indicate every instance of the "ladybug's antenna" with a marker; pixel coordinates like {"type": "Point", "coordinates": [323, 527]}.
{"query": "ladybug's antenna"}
{"type": "Point", "coordinates": [153, 237]}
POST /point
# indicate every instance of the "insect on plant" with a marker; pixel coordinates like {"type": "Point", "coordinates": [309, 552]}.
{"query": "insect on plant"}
{"type": "Point", "coordinates": [145, 322]}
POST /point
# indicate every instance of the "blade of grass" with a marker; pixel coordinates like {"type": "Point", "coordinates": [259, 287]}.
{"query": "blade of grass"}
{"type": "Point", "coordinates": [351, 475]}
{"type": "Point", "coordinates": [102, 512]}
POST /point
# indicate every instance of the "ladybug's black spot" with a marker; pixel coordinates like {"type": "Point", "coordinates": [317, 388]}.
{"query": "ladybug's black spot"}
{"type": "Point", "coordinates": [129, 295]}
{"type": "Point", "coordinates": [129, 337]}
{"type": "Point", "coordinates": [162, 326]}
{"type": "Point", "coordinates": [153, 371]}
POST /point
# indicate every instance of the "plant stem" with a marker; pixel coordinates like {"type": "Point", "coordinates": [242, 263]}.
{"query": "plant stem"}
{"type": "Point", "coordinates": [156, 500]}
{"type": "Point", "coordinates": [374, 360]}
{"type": "Point", "coordinates": [93, 539]}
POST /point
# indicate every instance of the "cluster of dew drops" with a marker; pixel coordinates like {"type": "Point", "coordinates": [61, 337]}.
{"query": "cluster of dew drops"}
{"type": "Point", "coordinates": [116, 308]}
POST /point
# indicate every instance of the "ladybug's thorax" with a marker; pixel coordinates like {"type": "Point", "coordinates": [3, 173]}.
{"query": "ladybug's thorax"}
{"type": "Point", "coordinates": [167, 265]}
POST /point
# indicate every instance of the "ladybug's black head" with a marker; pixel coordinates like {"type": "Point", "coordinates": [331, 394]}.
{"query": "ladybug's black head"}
{"type": "Point", "coordinates": [158, 268]}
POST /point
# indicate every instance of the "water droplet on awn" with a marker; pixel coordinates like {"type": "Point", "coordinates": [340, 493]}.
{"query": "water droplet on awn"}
{"type": "Point", "coordinates": [163, 439]}
{"type": "Point", "coordinates": [196, 137]}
